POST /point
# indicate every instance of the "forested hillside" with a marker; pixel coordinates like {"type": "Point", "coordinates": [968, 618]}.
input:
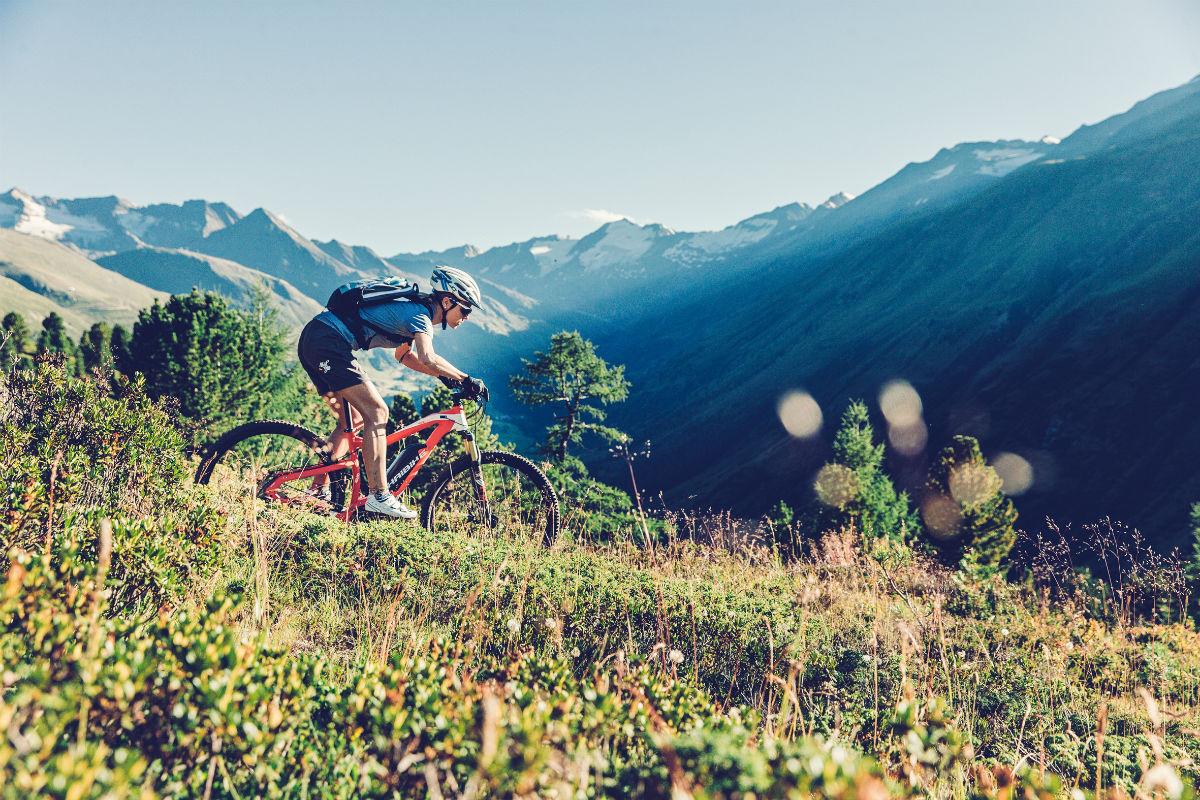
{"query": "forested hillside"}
{"type": "Point", "coordinates": [1054, 314]}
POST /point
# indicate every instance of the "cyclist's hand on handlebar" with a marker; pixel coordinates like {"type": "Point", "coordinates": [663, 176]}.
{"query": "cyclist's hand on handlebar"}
{"type": "Point", "coordinates": [450, 383]}
{"type": "Point", "coordinates": [474, 389]}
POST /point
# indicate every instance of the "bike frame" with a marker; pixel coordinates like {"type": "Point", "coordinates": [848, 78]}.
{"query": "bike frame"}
{"type": "Point", "coordinates": [442, 422]}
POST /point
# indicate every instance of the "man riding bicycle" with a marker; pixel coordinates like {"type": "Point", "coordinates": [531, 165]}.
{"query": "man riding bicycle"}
{"type": "Point", "coordinates": [405, 324]}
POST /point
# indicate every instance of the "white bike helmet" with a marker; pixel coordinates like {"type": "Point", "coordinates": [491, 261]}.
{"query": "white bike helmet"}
{"type": "Point", "coordinates": [458, 284]}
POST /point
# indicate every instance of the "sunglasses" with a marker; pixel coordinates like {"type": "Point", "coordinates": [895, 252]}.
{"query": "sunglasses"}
{"type": "Point", "coordinates": [463, 308]}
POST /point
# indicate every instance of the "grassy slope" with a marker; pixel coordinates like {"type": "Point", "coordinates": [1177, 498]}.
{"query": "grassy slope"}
{"type": "Point", "coordinates": [828, 646]}
{"type": "Point", "coordinates": [359, 646]}
{"type": "Point", "coordinates": [67, 282]}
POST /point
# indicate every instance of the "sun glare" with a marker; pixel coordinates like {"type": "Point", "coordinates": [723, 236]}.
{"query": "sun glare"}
{"type": "Point", "coordinates": [800, 414]}
{"type": "Point", "coordinates": [1015, 472]}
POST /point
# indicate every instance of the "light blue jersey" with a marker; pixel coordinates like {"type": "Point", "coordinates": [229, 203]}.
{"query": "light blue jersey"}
{"type": "Point", "coordinates": [390, 324]}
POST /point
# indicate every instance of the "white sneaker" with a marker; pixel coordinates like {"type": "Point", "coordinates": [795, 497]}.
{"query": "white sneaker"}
{"type": "Point", "coordinates": [386, 503]}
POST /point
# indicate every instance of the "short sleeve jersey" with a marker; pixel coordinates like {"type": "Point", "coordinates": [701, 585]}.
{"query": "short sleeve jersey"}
{"type": "Point", "coordinates": [390, 324]}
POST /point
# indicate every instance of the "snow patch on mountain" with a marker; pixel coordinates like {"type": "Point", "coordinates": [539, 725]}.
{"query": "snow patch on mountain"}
{"type": "Point", "coordinates": [943, 172]}
{"type": "Point", "coordinates": [551, 253]}
{"type": "Point", "coordinates": [622, 242]}
{"type": "Point", "coordinates": [704, 245]}
{"type": "Point", "coordinates": [1000, 161]}
{"type": "Point", "coordinates": [31, 217]}
{"type": "Point", "coordinates": [837, 200]}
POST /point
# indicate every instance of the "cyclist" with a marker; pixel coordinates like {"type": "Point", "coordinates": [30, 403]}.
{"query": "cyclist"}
{"type": "Point", "coordinates": [326, 353]}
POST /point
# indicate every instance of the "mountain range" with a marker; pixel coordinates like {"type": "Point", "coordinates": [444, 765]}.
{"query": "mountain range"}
{"type": "Point", "coordinates": [1038, 294]}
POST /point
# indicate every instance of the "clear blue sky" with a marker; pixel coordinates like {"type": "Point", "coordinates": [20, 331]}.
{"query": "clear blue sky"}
{"type": "Point", "coordinates": [408, 126]}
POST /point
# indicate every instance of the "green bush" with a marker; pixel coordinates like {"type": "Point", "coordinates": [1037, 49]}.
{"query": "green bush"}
{"type": "Point", "coordinates": [76, 451]}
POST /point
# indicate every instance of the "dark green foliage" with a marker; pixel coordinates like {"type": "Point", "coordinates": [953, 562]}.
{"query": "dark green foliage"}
{"type": "Point", "coordinates": [95, 347]}
{"type": "Point", "coordinates": [855, 489]}
{"type": "Point", "coordinates": [782, 521]}
{"type": "Point", "coordinates": [75, 451]}
{"type": "Point", "coordinates": [220, 363]}
{"type": "Point", "coordinates": [1195, 520]}
{"type": "Point", "coordinates": [54, 339]}
{"type": "Point", "coordinates": [978, 525]}
{"type": "Point", "coordinates": [566, 377]}
{"type": "Point", "coordinates": [401, 412]}
{"type": "Point", "coordinates": [437, 400]}
{"type": "Point", "coordinates": [596, 509]}
{"type": "Point", "coordinates": [119, 344]}
{"type": "Point", "coordinates": [14, 341]}
{"type": "Point", "coordinates": [977, 522]}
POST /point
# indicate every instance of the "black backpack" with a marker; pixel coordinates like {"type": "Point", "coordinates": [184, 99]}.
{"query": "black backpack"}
{"type": "Point", "coordinates": [348, 298]}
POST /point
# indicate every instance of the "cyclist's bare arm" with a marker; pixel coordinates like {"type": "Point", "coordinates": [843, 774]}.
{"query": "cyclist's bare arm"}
{"type": "Point", "coordinates": [422, 358]}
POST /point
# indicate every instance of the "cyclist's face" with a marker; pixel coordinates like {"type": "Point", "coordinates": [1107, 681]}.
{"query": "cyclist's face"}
{"type": "Point", "coordinates": [455, 316]}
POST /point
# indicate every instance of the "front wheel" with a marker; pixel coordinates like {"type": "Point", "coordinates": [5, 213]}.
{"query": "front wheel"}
{"type": "Point", "coordinates": [504, 492]}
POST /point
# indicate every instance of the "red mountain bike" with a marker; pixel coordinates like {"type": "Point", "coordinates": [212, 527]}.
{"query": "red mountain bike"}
{"type": "Point", "coordinates": [485, 488]}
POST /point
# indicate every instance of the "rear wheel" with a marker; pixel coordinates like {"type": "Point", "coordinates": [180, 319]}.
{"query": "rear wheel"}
{"type": "Point", "coordinates": [252, 456]}
{"type": "Point", "coordinates": [516, 497]}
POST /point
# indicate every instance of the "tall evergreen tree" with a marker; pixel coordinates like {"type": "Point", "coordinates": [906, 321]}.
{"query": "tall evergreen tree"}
{"type": "Point", "coordinates": [119, 344]}
{"type": "Point", "coordinates": [14, 341]}
{"type": "Point", "coordinates": [402, 410]}
{"type": "Point", "coordinates": [855, 488]}
{"type": "Point", "coordinates": [55, 339]}
{"type": "Point", "coordinates": [219, 362]}
{"type": "Point", "coordinates": [95, 346]}
{"type": "Point", "coordinates": [568, 376]}
{"type": "Point", "coordinates": [962, 480]}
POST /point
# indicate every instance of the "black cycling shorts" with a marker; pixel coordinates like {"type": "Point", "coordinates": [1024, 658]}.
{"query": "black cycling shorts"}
{"type": "Point", "coordinates": [328, 359]}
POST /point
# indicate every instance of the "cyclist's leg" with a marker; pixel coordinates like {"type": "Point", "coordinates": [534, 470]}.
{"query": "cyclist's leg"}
{"type": "Point", "coordinates": [339, 440]}
{"type": "Point", "coordinates": [365, 399]}
{"type": "Point", "coordinates": [330, 363]}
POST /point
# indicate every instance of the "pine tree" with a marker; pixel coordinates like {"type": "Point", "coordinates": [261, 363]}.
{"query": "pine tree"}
{"type": "Point", "coordinates": [567, 376]}
{"type": "Point", "coordinates": [219, 362]}
{"type": "Point", "coordinates": [14, 341]}
{"type": "Point", "coordinates": [119, 345]}
{"type": "Point", "coordinates": [402, 410]}
{"type": "Point", "coordinates": [439, 399]}
{"type": "Point", "coordinates": [54, 339]}
{"type": "Point", "coordinates": [962, 480]}
{"type": "Point", "coordinates": [855, 488]}
{"type": "Point", "coordinates": [95, 347]}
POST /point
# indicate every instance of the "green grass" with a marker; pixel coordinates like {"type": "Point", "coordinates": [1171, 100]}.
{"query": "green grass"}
{"type": "Point", "coordinates": [230, 649]}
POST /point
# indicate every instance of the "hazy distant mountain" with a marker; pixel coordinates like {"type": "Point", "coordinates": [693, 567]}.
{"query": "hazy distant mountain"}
{"type": "Point", "coordinates": [179, 271]}
{"type": "Point", "coordinates": [361, 258]}
{"type": "Point", "coordinates": [569, 273]}
{"type": "Point", "coordinates": [100, 225]}
{"type": "Point", "coordinates": [265, 242]}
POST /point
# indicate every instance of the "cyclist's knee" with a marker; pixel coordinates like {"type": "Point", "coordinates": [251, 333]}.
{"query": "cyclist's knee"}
{"type": "Point", "coordinates": [374, 416]}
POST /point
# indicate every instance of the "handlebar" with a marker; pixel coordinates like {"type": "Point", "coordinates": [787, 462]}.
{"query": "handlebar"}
{"type": "Point", "coordinates": [460, 393]}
